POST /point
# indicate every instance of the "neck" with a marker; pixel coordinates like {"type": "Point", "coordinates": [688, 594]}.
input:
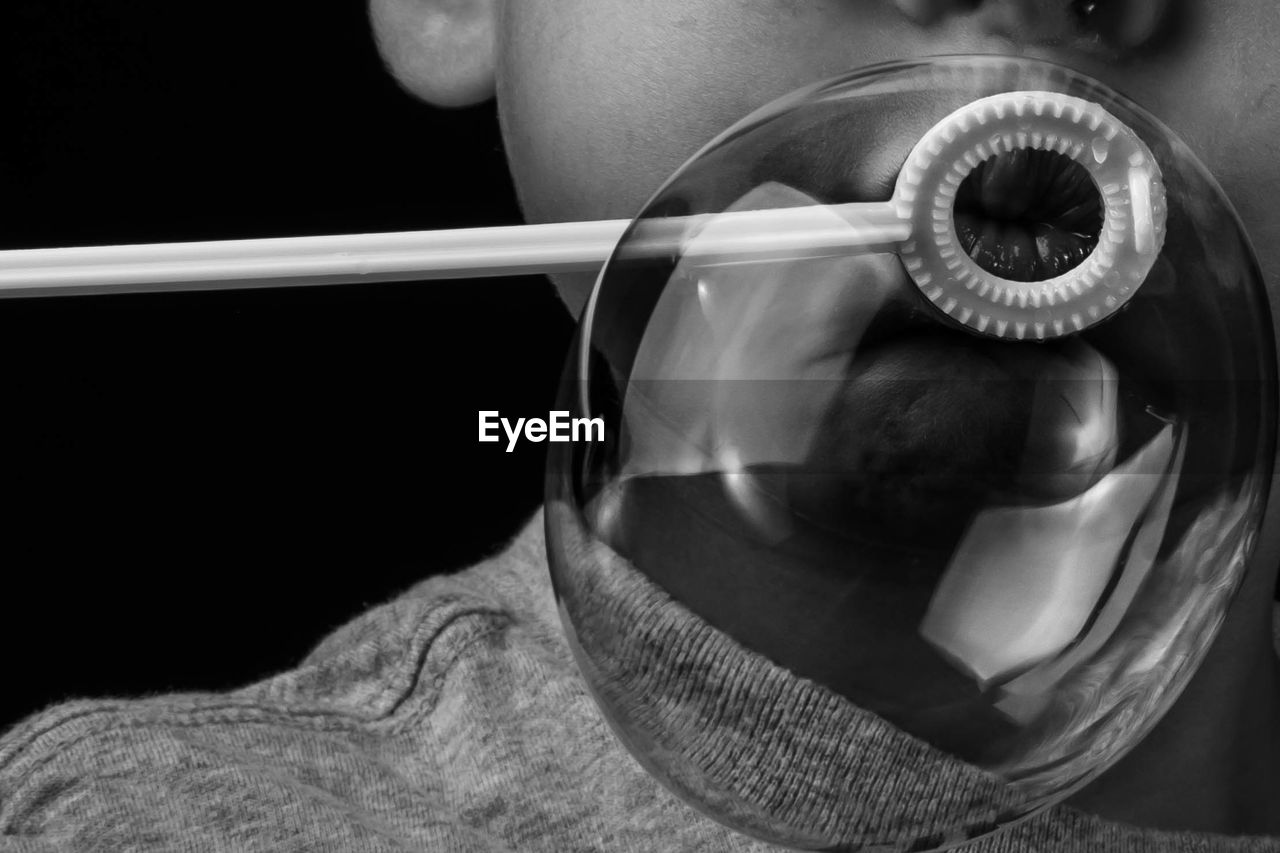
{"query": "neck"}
{"type": "Point", "coordinates": [1212, 764]}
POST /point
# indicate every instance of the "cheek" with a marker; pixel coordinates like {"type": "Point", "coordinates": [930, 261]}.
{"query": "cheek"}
{"type": "Point", "coordinates": [600, 105]}
{"type": "Point", "coordinates": [1245, 164]}
{"type": "Point", "coordinates": [603, 99]}
{"type": "Point", "coordinates": [1252, 193]}
{"type": "Point", "coordinates": [1248, 167]}
{"type": "Point", "coordinates": [1220, 91]}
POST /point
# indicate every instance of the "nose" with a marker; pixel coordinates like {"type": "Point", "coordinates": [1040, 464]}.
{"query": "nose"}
{"type": "Point", "coordinates": [929, 11]}
{"type": "Point", "coordinates": [1029, 22]}
{"type": "Point", "coordinates": [1117, 25]}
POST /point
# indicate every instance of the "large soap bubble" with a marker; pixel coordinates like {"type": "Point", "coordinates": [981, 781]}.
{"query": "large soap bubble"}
{"type": "Point", "coordinates": [855, 567]}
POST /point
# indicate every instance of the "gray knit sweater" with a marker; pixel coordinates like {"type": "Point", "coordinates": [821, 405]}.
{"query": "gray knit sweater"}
{"type": "Point", "coordinates": [450, 719]}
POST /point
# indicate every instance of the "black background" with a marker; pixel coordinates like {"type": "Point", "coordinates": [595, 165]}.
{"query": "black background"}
{"type": "Point", "coordinates": [195, 488]}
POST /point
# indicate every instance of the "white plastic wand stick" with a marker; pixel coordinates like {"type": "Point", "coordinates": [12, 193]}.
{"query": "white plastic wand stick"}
{"type": "Point", "coordinates": [462, 253]}
{"type": "Point", "coordinates": [917, 223]}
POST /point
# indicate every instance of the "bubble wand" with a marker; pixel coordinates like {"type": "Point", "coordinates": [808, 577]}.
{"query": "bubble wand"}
{"type": "Point", "coordinates": [917, 223]}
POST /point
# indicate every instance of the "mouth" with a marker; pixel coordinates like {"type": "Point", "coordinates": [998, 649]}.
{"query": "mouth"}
{"type": "Point", "coordinates": [1028, 215]}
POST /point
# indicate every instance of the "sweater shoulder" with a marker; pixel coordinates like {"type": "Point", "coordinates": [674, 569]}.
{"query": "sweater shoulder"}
{"type": "Point", "coordinates": [292, 759]}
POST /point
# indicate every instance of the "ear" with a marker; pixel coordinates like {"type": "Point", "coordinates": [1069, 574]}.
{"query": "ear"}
{"type": "Point", "coordinates": [442, 51]}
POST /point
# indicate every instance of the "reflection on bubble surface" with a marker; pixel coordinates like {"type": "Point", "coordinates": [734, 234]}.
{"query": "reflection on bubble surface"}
{"type": "Point", "coordinates": [846, 575]}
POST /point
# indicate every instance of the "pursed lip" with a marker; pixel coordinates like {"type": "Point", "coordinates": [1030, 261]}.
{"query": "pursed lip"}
{"type": "Point", "coordinates": [1028, 216]}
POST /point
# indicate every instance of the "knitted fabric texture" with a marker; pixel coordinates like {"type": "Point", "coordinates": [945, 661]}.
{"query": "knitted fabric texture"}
{"type": "Point", "coordinates": [454, 719]}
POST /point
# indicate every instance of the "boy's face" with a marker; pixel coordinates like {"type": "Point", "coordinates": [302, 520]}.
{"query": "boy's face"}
{"type": "Point", "coordinates": [602, 99]}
